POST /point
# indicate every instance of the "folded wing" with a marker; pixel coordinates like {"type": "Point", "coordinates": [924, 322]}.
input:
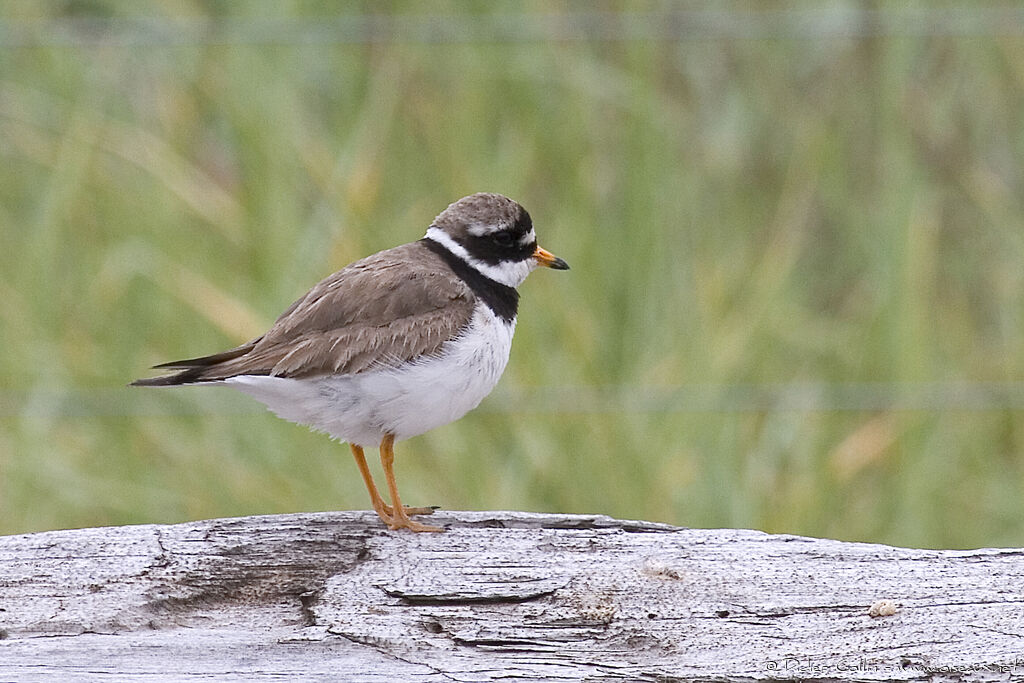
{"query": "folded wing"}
{"type": "Point", "coordinates": [387, 309]}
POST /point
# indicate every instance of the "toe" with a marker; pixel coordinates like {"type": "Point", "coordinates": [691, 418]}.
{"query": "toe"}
{"type": "Point", "coordinates": [412, 525]}
{"type": "Point", "coordinates": [386, 516]}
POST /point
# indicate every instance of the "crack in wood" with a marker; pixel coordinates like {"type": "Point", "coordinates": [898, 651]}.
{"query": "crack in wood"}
{"type": "Point", "coordinates": [509, 644]}
{"type": "Point", "coordinates": [466, 599]}
{"type": "Point", "coordinates": [390, 654]}
{"type": "Point", "coordinates": [307, 602]}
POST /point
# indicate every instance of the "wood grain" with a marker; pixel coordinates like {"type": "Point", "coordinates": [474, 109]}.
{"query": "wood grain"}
{"type": "Point", "coordinates": [335, 596]}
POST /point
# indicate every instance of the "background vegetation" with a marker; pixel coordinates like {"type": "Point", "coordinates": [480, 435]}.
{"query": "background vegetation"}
{"type": "Point", "coordinates": [797, 240]}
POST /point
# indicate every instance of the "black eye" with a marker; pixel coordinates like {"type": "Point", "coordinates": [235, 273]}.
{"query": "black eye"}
{"type": "Point", "coordinates": [502, 239]}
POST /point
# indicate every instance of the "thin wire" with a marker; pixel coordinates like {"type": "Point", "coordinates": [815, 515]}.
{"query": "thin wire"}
{"type": "Point", "coordinates": [804, 24]}
{"type": "Point", "coordinates": [806, 397]}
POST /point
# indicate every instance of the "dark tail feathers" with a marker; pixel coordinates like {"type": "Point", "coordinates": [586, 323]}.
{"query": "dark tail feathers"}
{"type": "Point", "coordinates": [192, 370]}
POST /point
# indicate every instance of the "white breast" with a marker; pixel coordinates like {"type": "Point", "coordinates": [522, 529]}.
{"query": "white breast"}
{"type": "Point", "coordinates": [405, 401]}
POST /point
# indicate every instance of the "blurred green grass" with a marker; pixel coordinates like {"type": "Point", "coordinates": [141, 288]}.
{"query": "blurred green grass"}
{"type": "Point", "coordinates": [738, 212]}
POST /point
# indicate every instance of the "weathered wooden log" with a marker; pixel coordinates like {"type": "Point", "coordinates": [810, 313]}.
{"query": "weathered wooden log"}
{"type": "Point", "coordinates": [335, 596]}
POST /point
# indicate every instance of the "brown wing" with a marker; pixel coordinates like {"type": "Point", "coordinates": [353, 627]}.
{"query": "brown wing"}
{"type": "Point", "coordinates": [388, 308]}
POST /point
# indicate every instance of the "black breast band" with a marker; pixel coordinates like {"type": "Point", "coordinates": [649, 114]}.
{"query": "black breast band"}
{"type": "Point", "coordinates": [501, 299]}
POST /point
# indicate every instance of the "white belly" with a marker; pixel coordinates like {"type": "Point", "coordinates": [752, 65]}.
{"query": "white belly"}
{"type": "Point", "coordinates": [405, 401]}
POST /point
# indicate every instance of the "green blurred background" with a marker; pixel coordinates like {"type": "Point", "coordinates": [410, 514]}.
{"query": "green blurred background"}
{"type": "Point", "coordinates": [796, 233]}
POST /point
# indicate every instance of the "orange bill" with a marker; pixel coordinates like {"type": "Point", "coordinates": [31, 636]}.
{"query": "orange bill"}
{"type": "Point", "coordinates": [549, 260]}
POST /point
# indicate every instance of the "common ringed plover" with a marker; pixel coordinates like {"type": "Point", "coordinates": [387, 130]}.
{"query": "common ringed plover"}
{"type": "Point", "coordinates": [393, 345]}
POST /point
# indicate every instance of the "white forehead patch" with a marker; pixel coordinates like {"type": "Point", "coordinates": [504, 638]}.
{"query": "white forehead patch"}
{"type": "Point", "coordinates": [528, 239]}
{"type": "Point", "coordinates": [481, 229]}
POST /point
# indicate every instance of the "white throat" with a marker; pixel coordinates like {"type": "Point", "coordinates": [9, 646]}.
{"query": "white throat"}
{"type": "Point", "coordinates": [511, 273]}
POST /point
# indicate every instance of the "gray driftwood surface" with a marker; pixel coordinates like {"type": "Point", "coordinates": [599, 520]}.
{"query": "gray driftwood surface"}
{"type": "Point", "coordinates": [335, 596]}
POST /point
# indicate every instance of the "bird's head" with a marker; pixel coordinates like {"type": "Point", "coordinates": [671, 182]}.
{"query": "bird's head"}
{"type": "Point", "coordinates": [494, 235]}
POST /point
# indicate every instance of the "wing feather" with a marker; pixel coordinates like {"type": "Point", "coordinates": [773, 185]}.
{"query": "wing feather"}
{"type": "Point", "coordinates": [389, 308]}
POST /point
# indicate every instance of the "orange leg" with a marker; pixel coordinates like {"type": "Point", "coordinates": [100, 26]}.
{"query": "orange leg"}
{"type": "Point", "coordinates": [383, 510]}
{"type": "Point", "coordinates": [399, 517]}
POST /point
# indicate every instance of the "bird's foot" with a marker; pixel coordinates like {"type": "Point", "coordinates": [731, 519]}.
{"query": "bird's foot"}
{"type": "Point", "coordinates": [401, 519]}
{"type": "Point", "coordinates": [403, 522]}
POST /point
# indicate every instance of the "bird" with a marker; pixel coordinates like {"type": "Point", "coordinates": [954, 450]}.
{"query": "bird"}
{"type": "Point", "coordinates": [393, 345]}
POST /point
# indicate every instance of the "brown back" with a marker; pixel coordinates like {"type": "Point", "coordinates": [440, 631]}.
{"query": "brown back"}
{"type": "Point", "coordinates": [381, 311]}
